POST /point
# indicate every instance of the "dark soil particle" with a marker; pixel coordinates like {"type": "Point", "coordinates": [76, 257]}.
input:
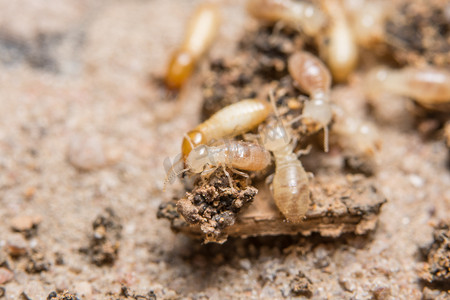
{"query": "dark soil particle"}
{"type": "Point", "coordinates": [105, 240]}
{"type": "Point", "coordinates": [420, 33]}
{"type": "Point", "coordinates": [37, 262]}
{"type": "Point", "coordinates": [127, 294]}
{"type": "Point", "coordinates": [27, 225]}
{"type": "Point", "coordinates": [437, 268]}
{"type": "Point", "coordinates": [61, 296]}
{"type": "Point", "coordinates": [260, 59]}
{"type": "Point", "coordinates": [301, 285]}
{"type": "Point", "coordinates": [213, 204]}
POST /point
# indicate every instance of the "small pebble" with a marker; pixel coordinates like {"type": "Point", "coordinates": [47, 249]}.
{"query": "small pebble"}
{"type": "Point", "coordinates": [89, 153]}
{"type": "Point", "coordinates": [6, 275]}
{"type": "Point", "coordinates": [24, 223]}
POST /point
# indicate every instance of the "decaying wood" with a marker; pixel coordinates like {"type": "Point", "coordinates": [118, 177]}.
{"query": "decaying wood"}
{"type": "Point", "coordinates": [339, 204]}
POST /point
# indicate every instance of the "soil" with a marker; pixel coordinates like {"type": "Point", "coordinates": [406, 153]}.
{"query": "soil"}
{"type": "Point", "coordinates": [214, 204]}
{"type": "Point", "coordinates": [437, 268]}
{"type": "Point", "coordinates": [420, 33]}
{"type": "Point", "coordinates": [83, 73]}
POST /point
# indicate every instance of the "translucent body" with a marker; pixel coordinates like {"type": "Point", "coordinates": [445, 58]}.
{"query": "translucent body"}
{"type": "Point", "coordinates": [290, 185]}
{"type": "Point", "coordinates": [202, 29]}
{"type": "Point", "coordinates": [230, 121]}
{"type": "Point", "coordinates": [367, 18]}
{"type": "Point", "coordinates": [236, 154]}
{"type": "Point", "coordinates": [356, 136]}
{"type": "Point", "coordinates": [429, 86]}
{"type": "Point", "coordinates": [310, 74]}
{"type": "Point", "coordinates": [338, 48]}
{"type": "Point", "coordinates": [294, 13]}
{"type": "Point", "coordinates": [314, 78]}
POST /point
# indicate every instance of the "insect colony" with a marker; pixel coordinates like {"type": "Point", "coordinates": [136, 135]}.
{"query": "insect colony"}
{"type": "Point", "coordinates": [264, 125]}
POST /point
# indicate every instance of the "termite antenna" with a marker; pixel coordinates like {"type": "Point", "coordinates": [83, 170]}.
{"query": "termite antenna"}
{"type": "Point", "coordinates": [279, 25]}
{"type": "Point", "coordinates": [325, 139]}
{"type": "Point", "coordinates": [229, 178]}
{"type": "Point", "coordinates": [296, 119]}
{"type": "Point", "coordinates": [305, 151]}
{"type": "Point", "coordinates": [272, 101]}
{"type": "Point", "coordinates": [173, 172]}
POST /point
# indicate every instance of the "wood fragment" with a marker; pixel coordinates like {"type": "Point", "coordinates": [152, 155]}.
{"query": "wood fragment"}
{"type": "Point", "coordinates": [339, 204]}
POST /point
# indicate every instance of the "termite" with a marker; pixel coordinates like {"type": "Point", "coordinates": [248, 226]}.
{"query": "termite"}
{"type": "Point", "coordinates": [290, 185]}
{"type": "Point", "coordinates": [294, 13]}
{"type": "Point", "coordinates": [367, 20]}
{"type": "Point", "coordinates": [229, 153]}
{"type": "Point", "coordinates": [356, 136]}
{"type": "Point", "coordinates": [429, 86]}
{"type": "Point", "coordinates": [234, 154]}
{"type": "Point", "coordinates": [231, 120]}
{"type": "Point", "coordinates": [338, 47]}
{"type": "Point", "coordinates": [313, 77]}
{"type": "Point", "coordinates": [201, 32]}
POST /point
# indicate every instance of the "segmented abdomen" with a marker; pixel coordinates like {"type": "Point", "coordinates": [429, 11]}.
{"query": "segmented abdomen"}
{"type": "Point", "coordinates": [247, 156]}
{"type": "Point", "coordinates": [291, 188]}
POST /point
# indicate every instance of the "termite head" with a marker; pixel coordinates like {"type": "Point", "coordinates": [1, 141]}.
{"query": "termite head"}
{"type": "Point", "coordinates": [180, 68]}
{"type": "Point", "coordinates": [318, 110]}
{"type": "Point", "coordinates": [275, 137]}
{"type": "Point", "coordinates": [192, 140]}
{"type": "Point", "coordinates": [197, 159]}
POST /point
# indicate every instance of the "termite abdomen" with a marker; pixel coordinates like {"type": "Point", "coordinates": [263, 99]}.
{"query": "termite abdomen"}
{"type": "Point", "coordinates": [202, 29]}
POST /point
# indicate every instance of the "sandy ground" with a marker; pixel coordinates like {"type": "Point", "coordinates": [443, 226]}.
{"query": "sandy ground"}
{"type": "Point", "coordinates": [79, 73]}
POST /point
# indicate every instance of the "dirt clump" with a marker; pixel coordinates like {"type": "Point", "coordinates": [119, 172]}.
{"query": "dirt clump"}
{"type": "Point", "coordinates": [419, 33]}
{"type": "Point", "coordinates": [128, 294]}
{"type": "Point", "coordinates": [27, 225]}
{"type": "Point", "coordinates": [37, 261]}
{"type": "Point", "coordinates": [62, 296]}
{"type": "Point", "coordinates": [301, 285]}
{"type": "Point", "coordinates": [19, 255]}
{"type": "Point", "coordinates": [436, 270]}
{"type": "Point", "coordinates": [261, 58]}
{"type": "Point", "coordinates": [214, 205]}
{"type": "Point", "coordinates": [104, 243]}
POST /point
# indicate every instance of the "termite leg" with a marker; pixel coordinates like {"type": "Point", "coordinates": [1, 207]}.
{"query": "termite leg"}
{"type": "Point", "coordinates": [229, 178]}
{"type": "Point", "coordinates": [268, 181]}
{"type": "Point", "coordinates": [305, 151]}
{"type": "Point", "coordinates": [251, 137]}
{"type": "Point", "coordinates": [245, 175]}
{"type": "Point", "coordinates": [208, 172]}
{"type": "Point", "coordinates": [325, 139]}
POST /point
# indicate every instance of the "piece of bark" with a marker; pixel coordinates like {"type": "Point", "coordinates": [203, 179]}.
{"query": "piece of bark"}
{"type": "Point", "coordinates": [339, 204]}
